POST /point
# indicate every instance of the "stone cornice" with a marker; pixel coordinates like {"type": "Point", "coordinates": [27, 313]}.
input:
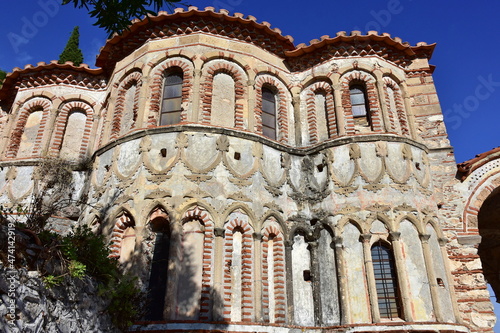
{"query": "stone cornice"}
{"type": "Point", "coordinates": [187, 22]}
{"type": "Point", "coordinates": [355, 44]}
{"type": "Point", "coordinates": [311, 150]}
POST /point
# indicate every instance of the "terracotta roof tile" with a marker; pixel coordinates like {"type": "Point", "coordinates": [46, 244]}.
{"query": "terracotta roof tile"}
{"type": "Point", "coordinates": [468, 167]}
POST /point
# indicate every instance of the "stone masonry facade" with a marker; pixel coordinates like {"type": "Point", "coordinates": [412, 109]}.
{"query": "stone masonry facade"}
{"type": "Point", "coordinates": [241, 178]}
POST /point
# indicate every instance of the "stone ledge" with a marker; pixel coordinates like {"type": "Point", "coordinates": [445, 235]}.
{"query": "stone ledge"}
{"type": "Point", "coordinates": [276, 328]}
{"type": "Point", "coordinates": [302, 151]}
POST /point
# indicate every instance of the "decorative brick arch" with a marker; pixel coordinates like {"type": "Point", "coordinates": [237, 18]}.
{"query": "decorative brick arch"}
{"type": "Point", "coordinates": [62, 121]}
{"type": "Point", "coordinates": [247, 299]}
{"type": "Point", "coordinates": [312, 114]}
{"type": "Point", "coordinates": [157, 84]}
{"type": "Point", "coordinates": [32, 105]}
{"type": "Point", "coordinates": [158, 213]}
{"type": "Point", "coordinates": [272, 231]}
{"type": "Point", "coordinates": [476, 199]}
{"type": "Point", "coordinates": [368, 81]}
{"type": "Point", "coordinates": [200, 214]}
{"type": "Point", "coordinates": [237, 75]}
{"type": "Point", "coordinates": [134, 78]}
{"type": "Point", "coordinates": [122, 222]}
{"type": "Point", "coordinates": [400, 115]}
{"type": "Point", "coordinates": [281, 112]}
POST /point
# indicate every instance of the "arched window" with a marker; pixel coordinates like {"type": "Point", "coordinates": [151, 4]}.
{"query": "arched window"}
{"type": "Point", "coordinates": [359, 105]}
{"type": "Point", "coordinates": [386, 281]}
{"type": "Point", "coordinates": [269, 113]}
{"type": "Point", "coordinates": [159, 269]}
{"type": "Point", "coordinates": [30, 133]}
{"type": "Point", "coordinates": [172, 98]}
{"type": "Point", "coordinates": [74, 133]}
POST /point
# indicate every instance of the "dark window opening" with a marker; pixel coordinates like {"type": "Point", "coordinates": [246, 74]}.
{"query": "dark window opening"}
{"type": "Point", "coordinates": [359, 105]}
{"type": "Point", "coordinates": [237, 156]}
{"type": "Point", "coordinates": [269, 113]}
{"type": "Point", "coordinates": [158, 278]}
{"type": "Point", "coordinates": [386, 281]}
{"type": "Point", "coordinates": [172, 99]}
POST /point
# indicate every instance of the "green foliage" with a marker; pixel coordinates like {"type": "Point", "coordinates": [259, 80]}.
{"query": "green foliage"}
{"type": "Point", "coordinates": [52, 281]}
{"type": "Point", "coordinates": [125, 299]}
{"type": "Point", "coordinates": [76, 269]}
{"type": "Point", "coordinates": [91, 250]}
{"type": "Point", "coordinates": [72, 50]}
{"type": "Point", "coordinates": [88, 253]}
{"type": "Point", "coordinates": [76, 255]}
{"type": "Point", "coordinates": [115, 15]}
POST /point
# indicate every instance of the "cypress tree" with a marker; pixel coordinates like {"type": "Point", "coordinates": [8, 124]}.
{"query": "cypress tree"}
{"type": "Point", "coordinates": [72, 50]}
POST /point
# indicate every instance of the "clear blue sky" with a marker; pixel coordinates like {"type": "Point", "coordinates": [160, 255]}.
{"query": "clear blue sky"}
{"type": "Point", "coordinates": [467, 34]}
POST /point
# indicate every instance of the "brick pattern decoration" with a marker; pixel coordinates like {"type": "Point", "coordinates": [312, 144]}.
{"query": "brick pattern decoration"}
{"type": "Point", "coordinates": [247, 299]}
{"type": "Point", "coordinates": [62, 121]}
{"type": "Point", "coordinates": [132, 79]}
{"type": "Point", "coordinates": [476, 200]}
{"type": "Point", "coordinates": [281, 112]}
{"type": "Point", "coordinates": [123, 222]}
{"type": "Point", "coordinates": [156, 87]}
{"type": "Point", "coordinates": [274, 233]}
{"type": "Point", "coordinates": [400, 114]}
{"type": "Point", "coordinates": [312, 115]}
{"type": "Point", "coordinates": [33, 105]}
{"type": "Point", "coordinates": [207, 88]}
{"type": "Point", "coordinates": [366, 80]}
{"type": "Point", "coordinates": [206, 302]}
{"type": "Point", "coordinates": [349, 49]}
{"type": "Point", "coordinates": [210, 22]}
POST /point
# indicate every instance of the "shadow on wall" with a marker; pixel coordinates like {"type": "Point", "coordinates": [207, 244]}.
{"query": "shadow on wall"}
{"type": "Point", "coordinates": [179, 294]}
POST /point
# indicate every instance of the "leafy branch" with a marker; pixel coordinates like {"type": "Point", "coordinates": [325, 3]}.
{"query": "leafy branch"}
{"type": "Point", "coordinates": [115, 15]}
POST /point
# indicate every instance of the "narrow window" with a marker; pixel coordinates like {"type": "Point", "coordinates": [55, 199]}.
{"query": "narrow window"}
{"type": "Point", "coordinates": [269, 113]}
{"type": "Point", "coordinates": [321, 113]}
{"type": "Point", "coordinates": [172, 98]}
{"type": "Point", "coordinates": [359, 106]}
{"type": "Point", "coordinates": [73, 135]}
{"type": "Point", "coordinates": [159, 271]}
{"type": "Point", "coordinates": [29, 135]}
{"type": "Point", "coordinates": [386, 281]}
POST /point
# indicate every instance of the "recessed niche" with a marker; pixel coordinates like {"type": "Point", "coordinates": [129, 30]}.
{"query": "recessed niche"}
{"type": "Point", "coordinates": [307, 275]}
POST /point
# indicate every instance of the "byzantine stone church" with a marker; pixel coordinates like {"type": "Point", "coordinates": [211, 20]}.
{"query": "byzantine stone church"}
{"type": "Point", "coordinates": [255, 185]}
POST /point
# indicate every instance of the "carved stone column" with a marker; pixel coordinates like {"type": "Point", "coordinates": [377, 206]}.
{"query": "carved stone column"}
{"type": "Point", "coordinates": [196, 112]}
{"type": "Point", "coordinates": [431, 275]}
{"type": "Point", "coordinates": [370, 277]}
{"type": "Point", "coordinates": [383, 105]}
{"type": "Point", "coordinates": [298, 122]}
{"type": "Point", "coordinates": [402, 276]}
{"type": "Point", "coordinates": [289, 281]}
{"type": "Point", "coordinates": [345, 314]}
{"type": "Point", "coordinates": [257, 241]}
{"type": "Point", "coordinates": [316, 281]}
{"type": "Point", "coordinates": [339, 110]}
{"type": "Point", "coordinates": [218, 291]}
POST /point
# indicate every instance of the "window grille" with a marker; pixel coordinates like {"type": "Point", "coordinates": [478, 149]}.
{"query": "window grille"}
{"type": "Point", "coordinates": [172, 98]}
{"type": "Point", "coordinates": [386, 281]}
{"type": "Point", "coordinates": [269, 113]}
